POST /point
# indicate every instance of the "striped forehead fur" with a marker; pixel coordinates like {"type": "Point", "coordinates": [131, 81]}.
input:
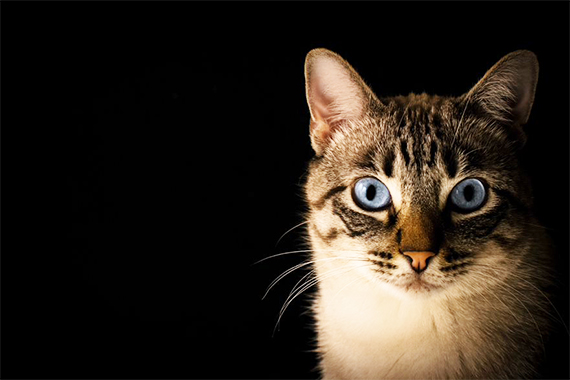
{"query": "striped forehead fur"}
{"type": "Point", "coordinates": [431, 135]}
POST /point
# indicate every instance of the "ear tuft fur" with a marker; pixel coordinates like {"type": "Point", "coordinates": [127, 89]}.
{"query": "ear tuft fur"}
{"type": "Point", "coordinates": [506, 92]}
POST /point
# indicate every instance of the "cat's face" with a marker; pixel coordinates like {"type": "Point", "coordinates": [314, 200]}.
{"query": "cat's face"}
{"type": "Point", "coordinates": [418, 193]}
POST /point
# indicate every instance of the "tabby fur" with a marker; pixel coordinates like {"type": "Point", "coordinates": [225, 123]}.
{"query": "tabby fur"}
{"type": "Point", "coordinates": [479, 309]}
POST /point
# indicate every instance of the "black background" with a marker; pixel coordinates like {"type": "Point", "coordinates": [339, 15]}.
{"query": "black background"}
{"type": "Point", "coordinates": [162, 150]}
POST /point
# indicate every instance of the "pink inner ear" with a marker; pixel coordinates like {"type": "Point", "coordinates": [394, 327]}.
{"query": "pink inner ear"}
{"type": "Point", "coordinates": [322, 104]}
{"type": "Point", "coordinates": [335, 94]}
{"type": "Point", "coordinates": [321, 108]}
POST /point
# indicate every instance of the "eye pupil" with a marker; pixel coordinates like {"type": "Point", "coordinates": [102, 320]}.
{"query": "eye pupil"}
{"type": "Point", "coordinates": [371, 192]}
{"type": "Point", "coordinates": [468, 193]}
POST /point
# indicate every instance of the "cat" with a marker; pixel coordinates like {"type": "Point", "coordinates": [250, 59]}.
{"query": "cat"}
{"type": "Point", "coordinates": [429, 261]}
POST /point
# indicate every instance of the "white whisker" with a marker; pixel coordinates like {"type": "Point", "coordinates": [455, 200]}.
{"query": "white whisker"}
{"type": "Point", "coordinates": [297, 291]}
{"type": "Point", "coordinates": [283, 275]}
{"type": "Point", "coordinates": [282, 254]}
{"type": "Point", "coordinates": [305, 251]}
{"type": "Point", "coordinates": [298, 266]}
{"type": "Point", "coordinates": [289, 230]}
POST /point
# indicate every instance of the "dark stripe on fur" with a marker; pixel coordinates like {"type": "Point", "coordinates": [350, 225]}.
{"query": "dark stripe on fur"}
{"type": "Point", "coordinates": [482, 225]}
{"type": "Point", "coordinates": [453, 255]}
{"type": "Point", "coordinates": [475, 159]}
{"type": "Point", "coordinates": [511, 199]}
{"type": "Point", "coordinates": [504, 241]}
{"type": "Point", "coordinates": [383, 264]}
{"type": "Point", "coordinates": [388, 164]}
{"type": "Point", "coordinates": [454, 267]}
{"type": "Point", "coordinates": [382, 254]}
{"type": "Point", "coordinates": [321, 202]}
{"type": "Point", "coordinates": [328, 237]}
{"type": "Point", "coordinates": [404, 151]}
{"type": "Point", "coordinates": [392, 217]}
{"type": "Point", "coordinates": [450, 162]}
{"type": "Point", "coordinates": [367, 162]}
{"type": "Point", "coordinates": [432, 153]}
{"type": "Point", "coordinates": [357, 224]}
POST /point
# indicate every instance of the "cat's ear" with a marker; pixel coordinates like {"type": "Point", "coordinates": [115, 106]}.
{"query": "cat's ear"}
{"type": "Point", "coordinates": [336, 95]}
{"type": "Point", "coordinates": [506, 92]}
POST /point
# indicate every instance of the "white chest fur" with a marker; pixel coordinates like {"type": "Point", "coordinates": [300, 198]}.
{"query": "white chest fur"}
{"type": "Point", "coordinates": [368, 332]}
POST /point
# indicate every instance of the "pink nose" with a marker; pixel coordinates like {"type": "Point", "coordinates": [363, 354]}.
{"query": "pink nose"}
{"type": "Point", "coordinates": [419, 259]}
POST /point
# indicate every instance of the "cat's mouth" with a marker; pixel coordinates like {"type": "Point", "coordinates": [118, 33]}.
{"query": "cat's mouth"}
{"type": "Point", "coordinates": [417, 283]}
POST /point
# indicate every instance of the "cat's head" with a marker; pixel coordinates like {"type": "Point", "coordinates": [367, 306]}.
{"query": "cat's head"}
{"type": "Point", "coordinates": [419, 192]}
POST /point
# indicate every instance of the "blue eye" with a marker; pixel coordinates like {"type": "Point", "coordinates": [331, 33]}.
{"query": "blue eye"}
{"type": "Point", "coordinates": [468, 195]}
{"type": "Point", "coordinates": [370, 194]}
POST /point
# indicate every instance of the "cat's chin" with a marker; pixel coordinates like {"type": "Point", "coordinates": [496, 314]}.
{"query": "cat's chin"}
{"type": "Point", "coordinates": [410, 284]}
{"type": "Point", "coordinates": [415, 284]}
{"type": "Point", "coordinates": [419, 286]}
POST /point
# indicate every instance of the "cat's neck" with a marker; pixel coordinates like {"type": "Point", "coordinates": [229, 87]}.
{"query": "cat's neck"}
{"type": "Point", "coordinates": [377, 313]}
{"type": "Point", "coordinates": [376, 332]}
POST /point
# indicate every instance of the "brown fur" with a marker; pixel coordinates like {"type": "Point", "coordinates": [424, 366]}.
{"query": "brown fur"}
{"type": "Point", "coordinates": [478, 310]}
